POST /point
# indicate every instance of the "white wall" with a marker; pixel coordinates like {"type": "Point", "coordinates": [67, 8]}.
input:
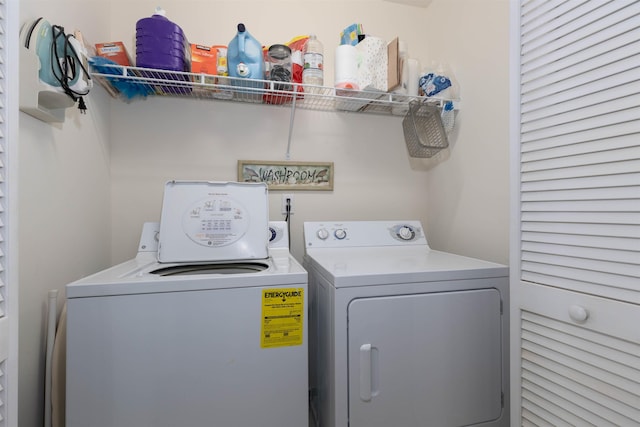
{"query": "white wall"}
{"type": "Point", "coordinates": [63, 203]}
{"type": "Point", "coordinates": [468, 209]}
{"type": "Point", "coordinates": [461, 196]}
{"type": "Point", "coordinates": [187, 139]}
{"type": "Point", "coordinates": [183, 139]}
{"type": "Point", "coordinates": [87, 186]}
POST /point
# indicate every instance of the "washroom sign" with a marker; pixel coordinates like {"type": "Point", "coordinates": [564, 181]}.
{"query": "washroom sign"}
{"type": "Point", "coordinates": [287, 175]}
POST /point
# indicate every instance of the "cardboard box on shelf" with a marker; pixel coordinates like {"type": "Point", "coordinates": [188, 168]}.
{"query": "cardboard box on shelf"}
{"type": "Point", "coordinates": [379, 66]}
{"type": "Point", "coordinates": [115, 51]}
{"type": "Point", "coordinates": [203, 59]}
{"type": "Point", "coordinates": [394, 65]}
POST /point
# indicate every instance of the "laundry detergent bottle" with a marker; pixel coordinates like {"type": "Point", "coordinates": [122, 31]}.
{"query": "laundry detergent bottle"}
{"type": "Point", "coordinates": [161, 44]}
{"type": "Point", "coordinates": [245, 58]}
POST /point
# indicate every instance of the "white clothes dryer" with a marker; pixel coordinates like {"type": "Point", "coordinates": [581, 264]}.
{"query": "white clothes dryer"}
{"type": "Point", "coordinates": [202, 343]}
{"type": "Point", "coordinates": [400, 334]}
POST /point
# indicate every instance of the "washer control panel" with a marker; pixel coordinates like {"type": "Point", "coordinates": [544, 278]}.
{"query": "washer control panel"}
{"type": "Point", "coordinates": [363, 233]}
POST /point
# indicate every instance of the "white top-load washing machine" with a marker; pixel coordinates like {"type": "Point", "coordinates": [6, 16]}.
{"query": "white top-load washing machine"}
{"type": "Point", "coordinates": [214, 335]}
{"type": "Point", "coordinates": [400, 334]}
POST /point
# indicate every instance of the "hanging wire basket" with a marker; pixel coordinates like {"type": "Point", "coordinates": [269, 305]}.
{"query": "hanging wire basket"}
{"type": "Point", "coordinates": [424, 133]}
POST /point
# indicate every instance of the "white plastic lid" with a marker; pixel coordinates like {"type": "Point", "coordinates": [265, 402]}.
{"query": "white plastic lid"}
{"type": "Point", "coordinates": [213, 221]}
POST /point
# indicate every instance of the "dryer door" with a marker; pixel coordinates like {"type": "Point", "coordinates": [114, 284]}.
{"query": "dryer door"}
{"type": "Point", "coordinates": [428, 359]}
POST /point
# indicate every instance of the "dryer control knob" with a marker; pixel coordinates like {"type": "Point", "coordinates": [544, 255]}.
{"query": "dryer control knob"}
{"type": "Point", "coordinates": [340, 233]}
{"type": "Point", "coordinates": [406, 233]}
{"type": "Point", "coordinates": [322, 234]}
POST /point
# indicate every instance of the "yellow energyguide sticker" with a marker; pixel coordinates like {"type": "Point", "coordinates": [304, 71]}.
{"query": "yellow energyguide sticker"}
{"type": "Point", "coordinates": [282, 317]}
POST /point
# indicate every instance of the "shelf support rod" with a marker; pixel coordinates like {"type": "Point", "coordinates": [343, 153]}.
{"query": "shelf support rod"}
{"type": "Point", "coordinates": [291, 117]}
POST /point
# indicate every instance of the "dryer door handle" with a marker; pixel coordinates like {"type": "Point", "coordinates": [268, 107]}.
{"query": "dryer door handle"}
{"type": "Point", "coordinates": [365, 372]}
{"type": "Point", "coordinates": [368, 372]}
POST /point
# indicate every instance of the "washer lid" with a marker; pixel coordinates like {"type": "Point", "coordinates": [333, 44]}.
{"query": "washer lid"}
{"type": "Point", "coordinates": [213, 221]}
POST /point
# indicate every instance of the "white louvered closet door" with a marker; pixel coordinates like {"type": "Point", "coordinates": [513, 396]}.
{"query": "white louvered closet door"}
{"type": "Point", "coordinates": [8, 287]}
{"type": "Point", "coordinates": [576, 256]}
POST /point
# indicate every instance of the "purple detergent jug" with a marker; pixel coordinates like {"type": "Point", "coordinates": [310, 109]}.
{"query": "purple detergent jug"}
{"type": "Point", "coordinates": [161, 44]}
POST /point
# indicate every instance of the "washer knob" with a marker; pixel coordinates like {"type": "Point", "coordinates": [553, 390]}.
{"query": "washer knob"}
{"type": "Point", "coordinates": [406, 233]}
{"type": "Point", "coordinates": [322, 234]}
{"type": "Point", "coordinates": [340, 233]}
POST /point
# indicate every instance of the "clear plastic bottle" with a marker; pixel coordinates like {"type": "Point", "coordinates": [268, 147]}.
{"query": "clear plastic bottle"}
{"type": "Point", "coordinates": [313, 62]}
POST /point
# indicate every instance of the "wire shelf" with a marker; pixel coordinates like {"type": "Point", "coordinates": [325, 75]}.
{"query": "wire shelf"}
{"type": "Point", "coordinates": [129, 83]}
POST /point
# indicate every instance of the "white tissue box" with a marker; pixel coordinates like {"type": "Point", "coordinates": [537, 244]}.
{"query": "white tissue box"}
{"type": "Point", "coordinates": [372, 64]}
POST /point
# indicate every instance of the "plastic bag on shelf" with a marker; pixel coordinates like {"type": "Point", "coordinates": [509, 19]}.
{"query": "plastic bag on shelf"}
{"type": "Point", "coordinates": [127, 86]}
{"type": "Point", "coordinates": [438, 80]}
